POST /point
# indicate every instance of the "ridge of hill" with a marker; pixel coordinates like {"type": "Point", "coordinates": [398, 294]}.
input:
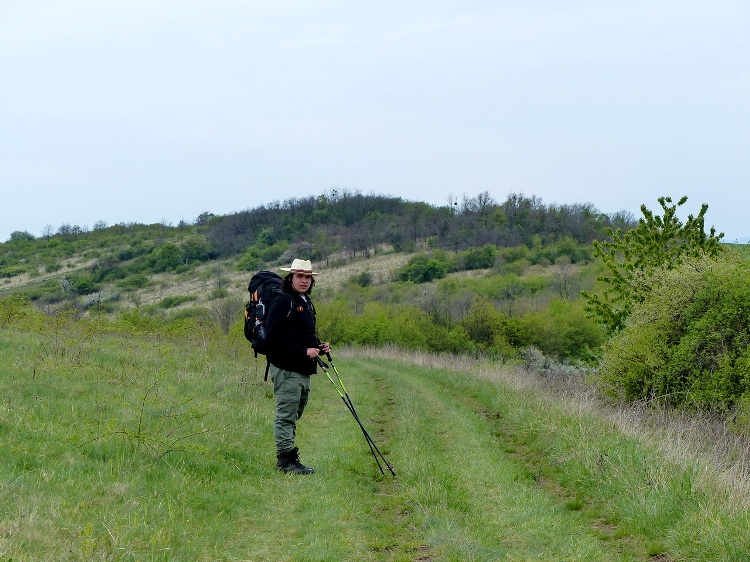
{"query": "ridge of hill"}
{"type": "Point", "coordinates": [335, 230]}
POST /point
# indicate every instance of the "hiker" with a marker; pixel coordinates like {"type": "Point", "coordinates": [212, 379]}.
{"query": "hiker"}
{"type": "Point", "coordinates": [293, 349]}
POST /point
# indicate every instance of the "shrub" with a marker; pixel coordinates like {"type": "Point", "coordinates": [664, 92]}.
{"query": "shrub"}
{"type": "Point", "coordinates": [52, 266]}
{"type": "Point", "coordinates": [363, 279]}
{"type": "Point", "coordinates": [14, 308]}
{"type": "Point", "coordinates": [562, 331]}
{"type": "Point", "coordinates": [250, 260]}
{"type": "Point", "coordinates": [133, 282]}
{"type": "Point", "coordinates": [480, 258]}
{"type": "Point", "coordinates": [12, 270]}
{"type": "Point", "coordinates": [175, 300]}
{"type": "Point", "coordinates": [686, 344]}
{"type": "Point", "coordinates": [423, 268]}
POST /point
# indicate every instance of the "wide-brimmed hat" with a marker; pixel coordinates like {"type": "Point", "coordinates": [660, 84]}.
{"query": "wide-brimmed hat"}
{"type": "Point", "coordinates": [301, 266]}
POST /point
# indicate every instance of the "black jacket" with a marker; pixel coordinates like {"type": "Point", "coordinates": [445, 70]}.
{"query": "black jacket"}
{"type": "Point", "coordinates": [291, 330]}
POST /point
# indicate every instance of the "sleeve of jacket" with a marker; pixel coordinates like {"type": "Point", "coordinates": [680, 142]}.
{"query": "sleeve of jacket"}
{"type": "Point", "coordinates": [279, 333]}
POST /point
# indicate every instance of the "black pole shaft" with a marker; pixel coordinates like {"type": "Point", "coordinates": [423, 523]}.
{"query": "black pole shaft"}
{"type": "Point", "coordinates": [370, 443]}
{"type": "Point", "coordinates": [350, 405]}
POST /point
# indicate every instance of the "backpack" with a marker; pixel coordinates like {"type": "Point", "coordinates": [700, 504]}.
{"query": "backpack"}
{"type": "Point", "coordinates": [264, 287]}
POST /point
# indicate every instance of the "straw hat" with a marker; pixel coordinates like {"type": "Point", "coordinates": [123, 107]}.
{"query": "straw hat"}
{"type": "Point", "coordinates": [300, 266]}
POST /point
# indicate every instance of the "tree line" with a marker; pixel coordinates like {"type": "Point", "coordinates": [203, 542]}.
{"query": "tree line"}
{"type": "Point", "coordinates": [357, 224]}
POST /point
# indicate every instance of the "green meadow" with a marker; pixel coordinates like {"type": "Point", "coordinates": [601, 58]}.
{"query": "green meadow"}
{"type": "Point", "coordinates": [132, 441]}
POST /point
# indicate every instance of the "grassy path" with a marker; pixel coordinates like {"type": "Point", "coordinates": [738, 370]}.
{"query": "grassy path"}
{"type": "Point", "coordinates": [470, 499]}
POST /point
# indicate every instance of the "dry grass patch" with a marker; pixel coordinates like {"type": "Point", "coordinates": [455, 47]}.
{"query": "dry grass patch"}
{"type": "Point", "coordinates": [380, 267]}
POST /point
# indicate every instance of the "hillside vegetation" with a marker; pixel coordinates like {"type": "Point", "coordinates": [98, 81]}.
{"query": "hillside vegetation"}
{"type": "Point", "coordinates": [476, 277]}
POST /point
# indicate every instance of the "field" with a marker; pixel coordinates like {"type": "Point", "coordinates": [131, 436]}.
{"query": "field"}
{"type": "Point", "coordinates": [131, 442]}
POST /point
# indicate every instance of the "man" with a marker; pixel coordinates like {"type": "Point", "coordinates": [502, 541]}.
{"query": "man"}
{"type": "Point", "coordinates": [293, 351]}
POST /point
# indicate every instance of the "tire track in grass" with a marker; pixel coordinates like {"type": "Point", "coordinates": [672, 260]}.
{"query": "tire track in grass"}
{"type": "Point", "coordinates": [392, 529]}
{"type": "Point", "coordinates": [467, 497]}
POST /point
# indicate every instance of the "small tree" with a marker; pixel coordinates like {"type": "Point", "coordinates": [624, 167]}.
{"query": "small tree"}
{"type": "Point", "coordinates": [21, 236]}
{"type": "Point", "coordinates": [631, 258]}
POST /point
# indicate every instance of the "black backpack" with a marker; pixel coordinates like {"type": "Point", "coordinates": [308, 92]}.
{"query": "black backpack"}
{"type": "Point", "coordinates": [264, 287]}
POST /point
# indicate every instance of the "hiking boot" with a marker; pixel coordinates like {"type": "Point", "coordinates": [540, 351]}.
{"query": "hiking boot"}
{"type": "Point", "coordinates": [288, 461]}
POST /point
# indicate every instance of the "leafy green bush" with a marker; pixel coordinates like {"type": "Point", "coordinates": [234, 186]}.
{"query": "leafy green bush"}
{"type": "Point", "coordinates": [423, 268]}
{"type": "Point", "coordinates": [175, 300]}
{"type": "Point", "coordinates": [486, 327]}
{"type": "Point", "coordinates": [377, 324]}
{"type": "Point", "coordinates": [274, 251]}
{"type": "Point", "coordinates": [562, 331]}
{"type": "Point", "coordinates": [12, 271]}
{"type": "Point", "coordinates": [480, 258]}
{"type": "Point", "coordinates": [52, 266]}
{"type": "Point", "coordinates": [363, 279]}
{"type": "Point", "coordinates": [14, 308]}
{"type": "Point", "coordinates": [250, 260]}
{"type": "Point", "coordinates": [167, 258]}
{"type": "Point", "coordinates": [133, 282]}
{"type": "Point", "coordinates": [686, 344]}
{"type": "Point", "coordinates": [219, 293]}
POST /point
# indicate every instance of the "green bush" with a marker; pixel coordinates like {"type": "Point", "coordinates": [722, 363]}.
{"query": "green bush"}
{"type": "Point", "coordinates": [250, 260]}
{"type": "Point", "coordinates": [480, 258]}
{"type": "Point", "coordinates": [424, 268]}
{"type": "Point", "coordinates": [686, 344]}
{"type": "Point", "coordinates": [52, 266]}
{"type": "Point", "coordinates": [132, 282]}
{"type": "Point", "coordinates": [83, 284]}
{"type": "Point", "coordinates": [167, 258]}
{"type": "Point", "coordinates": [13, 271]}
{"type": "Point", "coordinates": [14, 308]}
{"type": "Point", "coordinates": [274, 251]}
{"type": "Point", "coordinates": [219, 293]}
{"type": "Point", "coordinates": [562, 331]}
{"type": "Point", "coordinates": [363, 279]}
{"type": "Point", "coordinates": [175, 300]}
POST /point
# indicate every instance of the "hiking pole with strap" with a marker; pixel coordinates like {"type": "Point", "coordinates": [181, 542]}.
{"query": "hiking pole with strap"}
{"type": "Point", "coordinates": [347, 399]}
{"type": "Point", "coordinates": [377, 455]}
{"type": "Point", "coordinates": [349, 402]}
{"type": "Point", "coordinates": [370, 442]}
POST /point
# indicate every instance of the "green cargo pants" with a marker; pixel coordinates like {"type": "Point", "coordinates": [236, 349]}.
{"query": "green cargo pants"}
{"type": "Point", "coordinates": [291, 391]}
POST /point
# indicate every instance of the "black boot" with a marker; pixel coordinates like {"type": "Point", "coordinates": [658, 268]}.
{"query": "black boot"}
{"type": "Point", "coordinates": [288, 461]}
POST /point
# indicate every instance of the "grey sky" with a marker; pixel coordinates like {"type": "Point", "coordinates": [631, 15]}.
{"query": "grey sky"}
{"type": "Point", "coordinates": [150, 111]}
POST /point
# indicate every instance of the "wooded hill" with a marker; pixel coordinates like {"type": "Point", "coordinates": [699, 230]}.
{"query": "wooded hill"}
{"type": "Point", "coordinates": [339, 227]}
{"type": "Point", "coordinates": [324, 226]}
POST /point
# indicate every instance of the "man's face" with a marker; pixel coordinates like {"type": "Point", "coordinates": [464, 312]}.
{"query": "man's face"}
{"type": "Point", "coordinates": [301, 282]}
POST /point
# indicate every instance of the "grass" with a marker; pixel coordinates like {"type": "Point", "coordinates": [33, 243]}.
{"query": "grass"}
{"type": "Point", "coordinates": [127, 446]}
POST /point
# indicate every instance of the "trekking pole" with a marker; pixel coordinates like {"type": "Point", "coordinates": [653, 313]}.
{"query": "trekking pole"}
{"type": "Point", "coordinates": [377, 455]}
{"type": "Point", "coordinates": [353, 413]}
{"type": "Point", "coordinates": [351, 404]}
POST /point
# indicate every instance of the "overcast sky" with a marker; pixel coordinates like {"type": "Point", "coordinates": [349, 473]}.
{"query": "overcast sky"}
{"type": "Point", "coordinates": [157, 111]}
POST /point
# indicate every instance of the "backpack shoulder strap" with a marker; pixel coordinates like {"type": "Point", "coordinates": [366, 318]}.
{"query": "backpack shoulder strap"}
{"type": "Point", "coordinates": [288, 297]}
